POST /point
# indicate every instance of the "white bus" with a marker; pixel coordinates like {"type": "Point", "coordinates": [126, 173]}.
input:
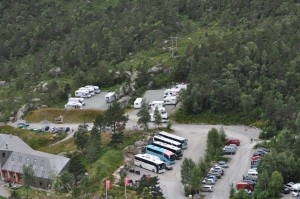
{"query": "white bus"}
{"type": "Point", "coordinates": [176, 138]}
{"type": "Point", "coordinates": [166, 140]}
{"type": "Point", "coordinates": [150, 162]}
{"type": "Point", "coordinates": [174, 149]}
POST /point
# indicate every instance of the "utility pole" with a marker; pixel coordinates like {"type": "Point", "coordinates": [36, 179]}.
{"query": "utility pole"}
{"type": "Point", "coordinates": [174, 45]}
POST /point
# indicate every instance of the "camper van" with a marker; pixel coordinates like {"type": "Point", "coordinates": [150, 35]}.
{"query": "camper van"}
{"type": "Point", "coordinates": [73, 105]}
{"type": "Point", "coordinates": [180, 86]}
{"type": "Point", "coordinates": [161, 110]}
{"type": "Point", "coordinates": [170, 100]}
{"type": "Point", "coordinates": [138, 103]}
{"type": "Point", "coordinates": [82, 93]}
{"type": "Point", "coordinates": [164, 118]}
{"type": "Point", "coordinates": [89, 89]}
{"type": "Point", "coordinates": [159, 104]}
{"type": "Point", "coordinates": [170, 92]}
{"type": "Point", "coordinates": [110, 97]}
{"type": "Point", "coordinates": [96, 88]}
{"type": "Point", "coordinates": [78, 100]}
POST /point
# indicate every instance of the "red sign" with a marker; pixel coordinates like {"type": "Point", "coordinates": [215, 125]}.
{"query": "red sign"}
{"type": "Point", "coordinates": [107, 184]}
{"type": "Point", "coordinates": [126, 181]}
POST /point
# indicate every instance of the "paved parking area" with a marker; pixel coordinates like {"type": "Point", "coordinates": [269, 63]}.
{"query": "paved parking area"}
{"type": "Point", "coordinates": [197, 135]}
{"type": "Point", "coordinates": [96, 102]}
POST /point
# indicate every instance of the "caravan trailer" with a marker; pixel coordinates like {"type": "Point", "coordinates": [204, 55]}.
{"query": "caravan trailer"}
{"type": "Point", "coordinates": [90, 90]}
{"type": "Point", "coordinates": [110, 97]}
{"type": "Point", "coordinates": [82, 93]}
{"type": "Point", "coordinates": [77, 99]}
{"type": "Point", "coordinates": [170, 100]}
{"type": "Point", "coordinates": [73, 105]}
{"type": "Point", "coordinates": [138, 103]}
{"type": "Point", "coordinates": [96, 88]}
{"type": "Point", "coordinates": [159, 104]}
{"type": "Point", "coordinates": [170, 92]}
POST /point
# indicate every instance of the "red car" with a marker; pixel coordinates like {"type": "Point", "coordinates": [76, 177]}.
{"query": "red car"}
{"type": "Point", "coordinates": [233, 141]}
{"type": "Point", "coordinates": [244, 185]}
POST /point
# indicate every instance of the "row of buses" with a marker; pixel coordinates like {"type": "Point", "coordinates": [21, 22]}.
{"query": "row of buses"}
{"type": "Point", "coordinates": [163, 151]}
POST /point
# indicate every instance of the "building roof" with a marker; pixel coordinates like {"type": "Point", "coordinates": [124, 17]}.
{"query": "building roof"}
{"type": "Point", "coordinates": [45, 165]}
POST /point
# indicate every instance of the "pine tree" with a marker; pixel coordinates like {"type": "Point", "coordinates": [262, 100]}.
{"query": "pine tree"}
{"type": "Point", "coordinates": [144, 116]}
{"type": "Point", "coordinates": [157, 117]}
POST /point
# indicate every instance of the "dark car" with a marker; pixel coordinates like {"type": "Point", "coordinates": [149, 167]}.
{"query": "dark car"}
{"type": "Point", "coordinates": [263, 149]}
{"type": "Point", "coordinates": [62, 129]}
{"type": "Point", "coordinates": [286, 190]}
{"type": "Point", "coordinates": [45, 128]}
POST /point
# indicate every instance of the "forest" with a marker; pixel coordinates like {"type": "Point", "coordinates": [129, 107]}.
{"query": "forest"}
{"type": "Point", "coordinates": [242, 58]}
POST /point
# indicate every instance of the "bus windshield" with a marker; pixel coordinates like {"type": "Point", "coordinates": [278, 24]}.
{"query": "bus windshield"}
{"type": "Point", "coordinates": [161, 166]}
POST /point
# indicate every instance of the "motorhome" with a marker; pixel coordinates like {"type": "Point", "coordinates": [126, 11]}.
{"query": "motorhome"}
{"type": "Point", "coordinates": [180, 86]}
{"type": "Point", "coordinates": [73, 105]}
{"type": "Point", "coordinates": [159, 104]}
{"type": "Point", "coordinates": [95, 88]}
{"type": "Point", "coordinates": [89, 89]}
{"type": "Point", "coordinates": [110, 97]}
{"type": "Point", "coordinates": [161, 110]}
{"type": "Point", "coordinates": [82, 93]}
{"type": "Point", "coordinates": [170, 100]}
{"type": "Point", "coordinates": [77, 99]}
{"type": "Point", "coordinates": [170, 92]}
{"type": "Point", "coordinates": [138, 103]}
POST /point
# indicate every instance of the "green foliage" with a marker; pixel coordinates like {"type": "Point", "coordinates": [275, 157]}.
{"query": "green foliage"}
{"type": "Point", "coordinates": [67, 181]}
{"type": "Point", "coordinates": [144, 116]}
{"type": "Point", "coordinates": [76, 167]}
{"type": "Point", "coordinates": [115, 117]}
{"type": "Point", "coordinates": [157, 117]}
{"type": "Point", "coordinates": [28, 176]}
{"type": "Point", "coordinates": [14, 195]}
{"type": "Point", "coordinates": [214, 145]}
{"type": "Point", "coordinates": [94, 145]}
{"type": "Point", "coordinates": [117, 139]}
{"type": "Point", "coordinates": [81, 137]}
{"type": "Point", "coordinates": [145, 184]}
{"type": "Point", "coordinates": [186, 170]}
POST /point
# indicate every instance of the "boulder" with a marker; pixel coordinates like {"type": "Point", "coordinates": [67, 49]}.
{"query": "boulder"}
{"type": "Point", "coordinates": [55, 72]}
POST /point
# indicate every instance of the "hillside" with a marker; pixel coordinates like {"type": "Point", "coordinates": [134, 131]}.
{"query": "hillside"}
{"type": "Point", "coordinates": [241, 59]}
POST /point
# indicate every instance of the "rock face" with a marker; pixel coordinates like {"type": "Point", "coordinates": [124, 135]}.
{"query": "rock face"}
{"type": "Point", "coordinates": [55, 72]}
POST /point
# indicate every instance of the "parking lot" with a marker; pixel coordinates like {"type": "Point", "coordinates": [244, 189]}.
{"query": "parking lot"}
{"type": "Point", "coordinates": [197, 134]}
{"type": "Point", "coordinates": [96, 102]}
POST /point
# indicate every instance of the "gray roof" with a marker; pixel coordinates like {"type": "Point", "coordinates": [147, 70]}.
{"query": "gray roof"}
{"type": "Point", "coordinates": [45, 165]}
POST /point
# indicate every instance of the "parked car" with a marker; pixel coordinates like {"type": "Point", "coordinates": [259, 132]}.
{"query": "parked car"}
{"type": "Point", "coordinates": [264, 149]}
{"type": "Point", "coordinates": [45, 128]}
{"type": "Point", "coordinates": [22, 124]}
{"type": "Point", "coordinates": [286, 190]}
{"type": "Point", "coordinates": [296, 193]}
{"type": "Point", "coordinates": [250, 181]}
{"type": "Point", "coordinates": [62, 129]}
{"type": "Point", "coordinates": [250, 178]}
{"type": "Point", "coordinates": [212, 177]}
{"type": "Point", "coordinates": [209, 181]}
{"type": "Point", "coordinates": [215, 173]}
{"type": "Point", "coordinates": [233, 141]}
{"type": "Point", "coordinates": [222, 164]}
{"type": "Point", "coordinates": [289, 185]}
{"type": "Point", "coordinates": [53, 129]}
{"type": "Point", "coordinates": [207, 188]}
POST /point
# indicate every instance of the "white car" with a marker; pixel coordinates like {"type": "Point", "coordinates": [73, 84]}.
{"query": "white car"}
{"type": "Point", "coordinates": [296, 193]}
{"type": "Point", "coordinates": [207, 188]}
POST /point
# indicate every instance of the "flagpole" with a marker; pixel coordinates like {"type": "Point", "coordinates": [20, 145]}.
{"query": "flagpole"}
{"type": "Point", "coordinates": [125, 192]}
{"type": "Point", "coordinates": [126, 184]}
{"type": "Point", "coordinates": [106, 188]}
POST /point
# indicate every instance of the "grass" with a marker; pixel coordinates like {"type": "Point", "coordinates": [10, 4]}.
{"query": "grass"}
{"type": "Point", "coordinates": [34, 140]}
{"type": "Point", "coordinates": [39, 194]}
{"type": "Point", "coordinates": [65, 146]}
{"type": "Point", "coordinates": [69, 116]}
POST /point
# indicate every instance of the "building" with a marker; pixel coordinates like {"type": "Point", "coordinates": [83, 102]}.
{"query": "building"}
{"type": "Point", "coordinates": [14, 153]}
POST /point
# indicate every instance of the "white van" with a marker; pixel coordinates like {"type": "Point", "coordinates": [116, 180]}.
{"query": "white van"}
{"type": "Point", "coordinates": [73, 105]}
{"type": "Point", "coordinates": [82, 93]}
{"type": "Point", "coordinates": [180, 86]}
{"type": "Point", "coordinates": [138, 103]}
{"type": "Point", "coordinates": [77, 99]}
{"type": "Point", "coordinates": [161, 110]}
{"type": "Point", "coordinates": [170, 92]}
{"type": "Point", "coordinates": [158, 104]}
{"type": "Point", "coordinates": [252, 173]}
{"type": "Point", "coordinates": [170, 100]}
{"type": "Point", "coordinates": [110, 97]}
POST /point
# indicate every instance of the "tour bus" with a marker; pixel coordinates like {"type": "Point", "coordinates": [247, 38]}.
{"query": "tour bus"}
{"type": "Point", "coordinates": [166, 140]}
{"type": "Point", "coordinates": [164, 155]}
{"type": "Point", "coordinates": [174, 149]}
{"type": "Point", "coordinates": [149, 162]}
{"type": "Point", "coordinates": [176, 138]}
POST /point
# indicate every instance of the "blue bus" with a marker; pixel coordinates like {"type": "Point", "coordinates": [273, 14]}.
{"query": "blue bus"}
{"type": "Point", "coordinates": [164, 155]}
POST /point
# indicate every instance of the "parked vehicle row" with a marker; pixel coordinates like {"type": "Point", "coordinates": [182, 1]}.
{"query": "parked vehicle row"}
{"type": "Point", "coordinates": [231, 146]}
{"type": "Point", "coordinates": [215, 173]}
{"type": "Point", "coordinates": [165, 147]}
{"type": "Point", "coordinates": [87, 91]}
{"type": "Point", "coordinates": [249, 181]}
{"type": "Point", "coordinates": [292, 187]}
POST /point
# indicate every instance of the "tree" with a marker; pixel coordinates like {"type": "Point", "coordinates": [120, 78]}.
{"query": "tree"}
{"type": "Point", "coordinates": [94, 145]}
{"type": "Point", "coordinates": [117, 138]}
{"type": "Point", "coordinates": [157, 117]}
{"type": "Point", "coordinates": [14, 195]}
{"type": "Point", "coordinates": [144, 116]}
{"type": "Point", "coordinates": [28, 176]}
{"type": "Point", "coordinates": [100, 122]}
{"type": "Point", "coordinates": [81, 137]}
{"type": "Point", "coordinates": [76, 167]}
{"type": "Point", "coordinates": [67, 180]}
{"type": "Point", "coordinates": [275, 185]}
{"type": "Point", "coordinates": [186, 170]}
{"type": "Point", "coordinates": [115, 116]}
{"type": "Point", "coordinates": [195, 180]}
